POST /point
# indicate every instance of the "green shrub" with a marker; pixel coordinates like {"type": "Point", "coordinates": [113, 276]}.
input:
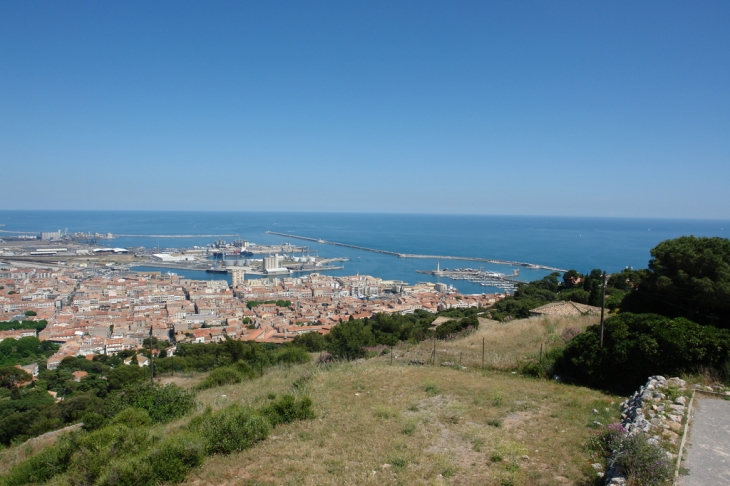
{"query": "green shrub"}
{"type": "Point", "coordinates": [641, 462]}
{"type": "Point", "coordinates": [293, 354]}
{"type": "Point", "coordinates": [544, 368]}
{"type": "Point", "coordinates": [456, 326]}
{"type": "Point", "coordinates": [96, 450]}
{"type": "Point", "coordinates": [135, 471]}
{"type": "Point", "coordinates": [41, 467]}
{"type": "Point", "coordinates": [174, 457]}
{"type": "Point", "coordinates": [132, 417]}
{"type": "Point", "coordinates": [641, 345]}
{"type": "Point", "coordinates": [162, 403]}
{"type": "Point", "coordinates": [232, 429]}
{"type": "Point", "coordinates": [287, 409]}
{"type": "Point", "coordinates": [93, 420]}
{"type": "Point", "coordinates": [244, 369]}
{"type": "Point", "coordinates": [219, 377]}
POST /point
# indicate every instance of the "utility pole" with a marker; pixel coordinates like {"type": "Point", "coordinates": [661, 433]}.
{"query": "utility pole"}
{"type": "Point", "coordinates": [603, 305]}
{"type": "Point", "coordinates": [152, 359]}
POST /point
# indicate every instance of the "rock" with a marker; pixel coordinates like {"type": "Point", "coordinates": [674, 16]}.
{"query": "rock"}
{"type": "Point", "coordinates": [678, 408]}
{"type": "Point", "coordinates": [595, 411]}
{"type": "Point", "coordinates": [657, 421]}
{"type": "Point", "coordinates": [597, 466]}
{"type": "Point", "coordinates": [660, 396]}
{"type": "Point", "coordinates": [681, 401]}
{"type": "Point", "coordinates": [653, 441]}
{"type": "Point", "coordinates": [596, 422]}
{"type": "Point", "coordinates": [676, 381]}
{"type": "Point", "coordinates": [617, 482]}
{"type": "Point", "coordinates": [672, 437]}
{"type": "Point", "coordinates": [675, 426]}
{"type": "Point", "coordinates": [525, 457]}
{"type": "Point", "coordinates": [674, 418]}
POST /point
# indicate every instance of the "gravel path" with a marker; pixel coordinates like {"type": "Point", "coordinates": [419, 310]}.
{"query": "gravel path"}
{"type": "Point", "coordinates": [708, 451]}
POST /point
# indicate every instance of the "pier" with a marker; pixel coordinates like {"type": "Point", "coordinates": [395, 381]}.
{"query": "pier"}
{"type": "Point", "coordinates": [412, 255]}
{"type": "Point", "coordinates": [479, 276]}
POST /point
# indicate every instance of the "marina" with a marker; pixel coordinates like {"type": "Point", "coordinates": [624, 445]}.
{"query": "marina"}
{"type": "Point", "coordinates": [479, 276]}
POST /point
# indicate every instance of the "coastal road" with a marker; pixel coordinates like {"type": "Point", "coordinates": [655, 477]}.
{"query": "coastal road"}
{"type": "Point", "coordinates": [708, 454]}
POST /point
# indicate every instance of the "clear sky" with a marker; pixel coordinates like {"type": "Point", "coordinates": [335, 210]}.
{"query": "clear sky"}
{"type": "Point", "coordinates": [586, 108]}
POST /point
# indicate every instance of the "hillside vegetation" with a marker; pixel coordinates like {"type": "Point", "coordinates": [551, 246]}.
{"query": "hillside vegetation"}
{"type": "Point", "coordinates": [378, 423]}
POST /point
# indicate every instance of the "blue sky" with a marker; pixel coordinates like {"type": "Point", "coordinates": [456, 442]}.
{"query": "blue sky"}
{"type": "Point", "coordinates": [545, 108]}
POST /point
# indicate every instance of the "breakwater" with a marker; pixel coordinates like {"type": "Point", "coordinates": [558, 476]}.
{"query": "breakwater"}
{"type": "Point", "coordinates": [175, 236]}
{"type": "Point", "coordinates": [412, 255]}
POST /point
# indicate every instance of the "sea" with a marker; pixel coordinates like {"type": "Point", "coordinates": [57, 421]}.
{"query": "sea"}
{"type": "Point", "coordinates": [579, 243]}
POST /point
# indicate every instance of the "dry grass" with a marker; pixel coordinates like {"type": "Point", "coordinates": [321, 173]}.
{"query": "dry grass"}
{"type": "Point", "coordinates": [505, 344]}
{"type": "Point", "coordinates": [382, 424]}
{"type": "Point", "coordinates": [13, 455]}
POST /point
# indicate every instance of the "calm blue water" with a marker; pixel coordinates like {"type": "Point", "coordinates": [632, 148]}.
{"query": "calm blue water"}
{"type": "Point", "coordinates": [580, 243]}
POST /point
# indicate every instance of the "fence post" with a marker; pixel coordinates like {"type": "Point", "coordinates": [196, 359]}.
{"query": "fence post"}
{"type": "Point", "coordinates": [433, 355]}
{"type": "Point", "coordinates": [482, 353]}
{"type": "Point", "coordinates": [540, 352]}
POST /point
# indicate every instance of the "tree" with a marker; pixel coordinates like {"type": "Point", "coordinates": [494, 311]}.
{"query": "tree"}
{"type": "Point", "coordinates": [569, 277]}
{"type": "Point", "coordinates": [641, 345]}
{"type": "Point", "coordinates": [30, 313]}
{"type": "Point", "coordinates": [347, 340]}
{"type": "Point", "coordinates": [311, 341]}
{"type": "Point", "coordinates": [11, 377]}
{"type": "Point", "coordinates": [687, 277]}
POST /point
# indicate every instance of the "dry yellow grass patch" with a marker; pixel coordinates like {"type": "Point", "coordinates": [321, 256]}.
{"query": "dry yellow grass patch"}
{"type": "Point", "coordinates": [382, 424]}
{"type": "Point", "coordinates": [505, 344]}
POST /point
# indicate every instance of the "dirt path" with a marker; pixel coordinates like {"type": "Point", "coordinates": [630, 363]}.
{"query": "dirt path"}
{"type": "Point", "coordinates": [708, 454]}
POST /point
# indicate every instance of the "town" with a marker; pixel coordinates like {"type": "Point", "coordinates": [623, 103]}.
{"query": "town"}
{"type": "Point", "coordinates": [91, 311]}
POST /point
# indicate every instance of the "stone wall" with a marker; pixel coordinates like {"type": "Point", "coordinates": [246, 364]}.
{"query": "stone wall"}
{"type": "Point", "coordinates": [652, 411]}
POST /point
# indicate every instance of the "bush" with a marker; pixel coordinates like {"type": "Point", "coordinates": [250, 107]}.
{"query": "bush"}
{"type": "Point", "coordinates": [293, 354]}
{"type": "Point", "coordinates": [219, 377]}
{"type": "Point", "coordinates": [348, 340]}
{"type": "Point", "coordinates": [174, 457]}
{"type": "Point", "coordinates": [641, 345]}
{"type": "Point", "coordinates": [641, 462]}
{"type": "Point", "coordinates": [132, 417]}
{"type": "Point", "coordinates": [93, 421]}
{"type": "Point", "coordinates": [287, 409]}
{"type": "Point", "coordinates": [162, 403]}
{"type": "Point", "coordinates": [456, 326]}
{"type": "Point", "coordinates": [311, 341]}
{"type": "Point", "coordinates": [232, 429]}
{"type": "Point", "coordinates": [126, 471]}
{"type": "Point", "coordinates": [43, 466]}
{"type": "Point", "coordinates": [96, 450]}
{"type": "Point", "coordinates": [607, 440]}
{"type": "Point", "coordinates": [544, 368]}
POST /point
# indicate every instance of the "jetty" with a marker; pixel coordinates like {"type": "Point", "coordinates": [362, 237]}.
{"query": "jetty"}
{"type": "Point", "coordinates": [413, 255]}
{"type": "Point", "coordinates": [174, 236]}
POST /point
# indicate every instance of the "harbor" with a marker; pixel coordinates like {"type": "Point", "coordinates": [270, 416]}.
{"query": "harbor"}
{"type": "Point", "coordinates": [434, 257]}
{"type": "Point", "coordinates": [478, 276]}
